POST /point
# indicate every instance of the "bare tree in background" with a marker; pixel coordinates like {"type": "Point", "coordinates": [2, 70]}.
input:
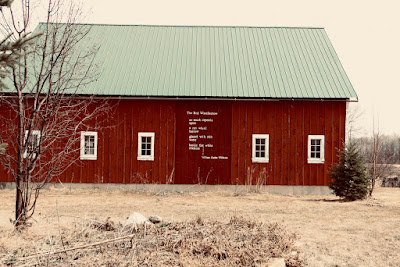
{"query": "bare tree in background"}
{"type": "Point", "coordinates": [375, 150]}
{"type": "Point", "coordinates": [44, 114]}
{"type": "Point", "coordinates": [378, 150]}
{"type": "Point", "coordinates": [380, 166]}
{"type": "Point", "coordinates": [354, 115]}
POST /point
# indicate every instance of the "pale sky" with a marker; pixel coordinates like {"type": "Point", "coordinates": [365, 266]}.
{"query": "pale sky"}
{"type": "Point", "coordinates": [365, 34]}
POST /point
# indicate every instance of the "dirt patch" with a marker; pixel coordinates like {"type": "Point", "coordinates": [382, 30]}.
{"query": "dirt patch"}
{"type": "Point", "coordinates": [332, 233]}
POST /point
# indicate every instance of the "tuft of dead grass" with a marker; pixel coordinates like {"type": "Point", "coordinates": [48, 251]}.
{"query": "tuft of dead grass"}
{"type": "Point", "coordinates": [197, 242]}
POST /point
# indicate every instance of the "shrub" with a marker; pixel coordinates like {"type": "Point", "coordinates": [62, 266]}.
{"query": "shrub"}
{"type": "Point", "coordinates": [349, 177]}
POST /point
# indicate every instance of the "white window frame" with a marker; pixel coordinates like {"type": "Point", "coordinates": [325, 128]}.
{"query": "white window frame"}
{"type": "Point", "coordinates": [139, 152]}
{"type": "Point", "coordinates": [33, 132]}
{"type": "Point", "coordinates": [88, 157]}
{"type": "Point", "coordinates": [253, 153]}
{"type": "Point", "coordinates": [322, 152]}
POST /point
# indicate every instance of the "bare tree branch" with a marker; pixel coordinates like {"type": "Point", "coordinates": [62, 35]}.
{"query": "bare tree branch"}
{"type": "Point", "coordinates": [44, 116]}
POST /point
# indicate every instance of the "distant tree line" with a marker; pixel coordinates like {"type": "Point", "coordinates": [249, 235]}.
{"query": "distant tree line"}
{"type": "Point", "coordinates": [388, 149]}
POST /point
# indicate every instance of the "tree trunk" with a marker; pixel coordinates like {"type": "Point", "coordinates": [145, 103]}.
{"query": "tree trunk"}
{"type": "Point", "coordinates": [20, 208]}
{"type": "Point", "coordinates": [374, 162]}
{"type": "Point", "coordinates": [20, 212]}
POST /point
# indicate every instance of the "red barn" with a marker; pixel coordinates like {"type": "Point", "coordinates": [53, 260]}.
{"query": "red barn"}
{"type": "Point", "coordinates": [215, 105]}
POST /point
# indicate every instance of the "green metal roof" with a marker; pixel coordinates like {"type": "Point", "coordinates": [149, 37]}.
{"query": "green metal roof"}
{"type": "Point", "coordinates": [216, 61]}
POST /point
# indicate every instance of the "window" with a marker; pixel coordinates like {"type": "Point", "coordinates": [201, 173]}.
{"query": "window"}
{"type": "Point", "coordinates": [260, 145]}
{"type": "Point", "coordinates": [146, 146]}
{"type": "Point", "coordinates": [89, 145]}
{"type": "Point", "coordinates": [316, 149]}
{"type": "Point", "coordinates": [32, 143]}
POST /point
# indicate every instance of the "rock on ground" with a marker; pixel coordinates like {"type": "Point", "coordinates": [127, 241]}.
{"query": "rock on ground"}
{"type": "Point", "coordinates": [278, 262]}
{"type": "Point", "coordinates": [136, 219]}
{"type": "Point", "coordinates": [155, 219]}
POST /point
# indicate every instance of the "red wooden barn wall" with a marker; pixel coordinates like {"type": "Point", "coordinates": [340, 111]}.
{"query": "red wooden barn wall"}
{"type": "Point", "coordinates": [118, 144]}
{"type": "Point", "coordinates": [206, 164]}
{"type": "Point", "coordinates": [288, 124]}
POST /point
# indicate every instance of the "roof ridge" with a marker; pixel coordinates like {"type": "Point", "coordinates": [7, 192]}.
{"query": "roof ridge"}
{"type": "Point", "coordinates": [194, 26]}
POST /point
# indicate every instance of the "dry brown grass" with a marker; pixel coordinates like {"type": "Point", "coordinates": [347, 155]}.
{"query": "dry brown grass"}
{"type": "Point", "coordinates": [332, 233]}
{"type": "Point", "coordinates": [240, 242]}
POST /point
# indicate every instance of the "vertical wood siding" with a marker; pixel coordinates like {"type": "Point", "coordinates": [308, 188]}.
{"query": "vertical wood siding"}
{"type": "Point", "coordinates": [118, 145]}
{"type": "Point", "coordinates": [288, 124]}
{"type": "Point", "coordinates": [207, 165]}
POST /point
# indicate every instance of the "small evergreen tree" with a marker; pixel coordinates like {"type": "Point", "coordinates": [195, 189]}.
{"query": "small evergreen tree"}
{"type": "Point", "coordinates": [349, 177]}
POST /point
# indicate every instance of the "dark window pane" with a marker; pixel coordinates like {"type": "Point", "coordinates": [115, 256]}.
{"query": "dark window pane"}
{"type": "Point", "coordinates": [263, 154]}
{"type": "Point", "coordinates": [146, 145]}
{"type": "Point", "coordinates": [32, 140]}
{"type": "Point", "coordinates": [313, 154]}
{"type": "Point", "coordinates": [318, 148]}
{"type": "Point", "coordinates": [87, 141]}
{"type": "Point", "coordinates": [318, 155]}
{"type": "Point", "coordinates": [312, 142]}
{"type": "Point", "coordinates": [89, 145]}
{"type": "Point", "coordinates": [263, 141]}
{"type": "Point", "coordinates": [257, 154]}
{"type": "Point", "coordinates": [258, 141]}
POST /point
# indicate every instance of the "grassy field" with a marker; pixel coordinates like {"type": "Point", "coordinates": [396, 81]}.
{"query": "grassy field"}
{"type": "Point", "coordinates": [331, 233]}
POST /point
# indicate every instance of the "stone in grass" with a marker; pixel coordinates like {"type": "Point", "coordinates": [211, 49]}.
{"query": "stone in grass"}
{"type": "Point", "coordinates": [136, 219]}
{"type": "Point", "coordinates": [277, 262]}
{"type": "Point", "coordinates": [298, 246]}
{"type": "Point", "coordinates": [155, 219]}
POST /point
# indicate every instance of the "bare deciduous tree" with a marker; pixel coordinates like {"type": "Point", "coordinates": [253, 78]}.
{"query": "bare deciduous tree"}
{"type": "Point", "coordinates": [43, 111]}
{"type": "Point", "coordinates": [380, 166]}
{"type": "Point", "coordinates": [354, 115]}
{"type": "Point", "coordinates": [375, 149]}
{"type": "Point", "coordinates": [10, 54]}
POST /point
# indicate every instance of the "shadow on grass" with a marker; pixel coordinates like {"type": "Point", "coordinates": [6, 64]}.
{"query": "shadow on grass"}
{"type": "Point", "coordinates": [325, 200]}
